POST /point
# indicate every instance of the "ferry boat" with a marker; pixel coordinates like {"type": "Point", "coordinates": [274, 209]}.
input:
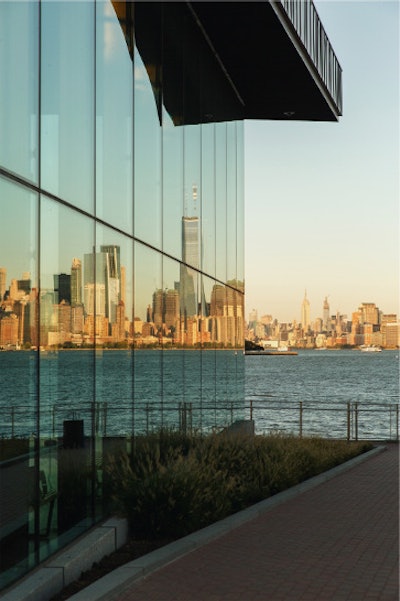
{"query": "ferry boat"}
{"type": "Point", "coordinates": [370, 349]}
{"type": "Point", "coordinates": [271, 351]}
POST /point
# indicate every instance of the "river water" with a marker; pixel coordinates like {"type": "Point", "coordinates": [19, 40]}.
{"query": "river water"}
{"type": "Point", "coordinates": [325, 391]}
{"type": "Point", "coordinates": [329, 393]}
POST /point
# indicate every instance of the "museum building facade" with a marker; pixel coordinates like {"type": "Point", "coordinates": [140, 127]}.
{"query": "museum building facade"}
{"type": "Point", "coordinates": [121, 232]}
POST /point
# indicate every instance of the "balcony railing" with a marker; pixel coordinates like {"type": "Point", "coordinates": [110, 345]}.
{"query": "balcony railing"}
{"type": "Point", "coordinates": [306, 23]}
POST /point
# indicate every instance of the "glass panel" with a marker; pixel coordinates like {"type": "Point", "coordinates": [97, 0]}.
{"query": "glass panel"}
{"type": "Point", "coordinates": [114, 356]}
{"type": "Point", "coordinates": [192, 192]}
{"type": "Point", "coordinates": [173, 205]}
{"type": "Point", "coordinates": [19, 88]}
{"type": "Point", "coordinates": [208, 225]}
{"type": "Point", "coordinates": [67, 101]}
{"type": "Point", "coordinates": [230, 387]}
{"type": "Point", "coordinates": [189, 283]}
{"type": "Point", "coordinates": [147, 145]}
{"type": "Point", "coordinates": [173, 365]}
{"type": "Point", "coordinates": [192, 398]}
{"type": "Point", "coordinates": [231, 209]}
{"type": "Point", "coordinates": [148, 407]}
{"type": "Point", "coordinates": [114, 379]}
{"type": "Point", "coordinates": [205, 420]}
{"type": "Point", "coordinates": [67, 368]}
{"type": "Point", "coordinates": [240, 204]}
{"type": "Point", "coordinates": [18, 376]}
{"type": "Point", "coordinates": [221, 200]}
{"type": "Point", "coordinates": [114, 111]}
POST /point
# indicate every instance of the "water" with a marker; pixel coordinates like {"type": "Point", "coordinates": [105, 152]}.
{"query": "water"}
{"type": "Point", "coordinates": [139, 391]}
{"type": "Point", "coordinates": [325, 382]}
{"type": "Point", "coordinates": [203, 390]}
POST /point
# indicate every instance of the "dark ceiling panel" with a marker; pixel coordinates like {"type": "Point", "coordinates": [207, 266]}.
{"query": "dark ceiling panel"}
{"type": "Point", "coordinates": [220, 61]}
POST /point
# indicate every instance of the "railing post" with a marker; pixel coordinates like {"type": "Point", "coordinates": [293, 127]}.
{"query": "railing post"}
{"type": "Point", "coordinates": [182, 417]}
{"type": "Point", "coordinates": [356, 420]}
{"type": "Point", "coordinates": [12, 422]}
{"type": "Point", "coordinates": [301, 420]}
{"type": "Point", "coordinates": [348, 422]}
{"type": "Point", "coordinates": [190, 418]}
{"type": "Point", "coordinates": [96, 411]}
{"type": "Point", "coordinates": [251, 409]}
{"type": "Point", "coordinates": [397, 422]}
{"type": "Point", "coordinates": [105, 406]}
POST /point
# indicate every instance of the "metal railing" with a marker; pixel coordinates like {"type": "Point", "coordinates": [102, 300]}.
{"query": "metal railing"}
{"type": "Point", "coordinates": [344, 420]}
{"type": "Point", "coordinates": [347, 420]}
{"type": "Point", "coordinates": [104, 419]}
{"type": "Point", "coordinates": [309, 29]}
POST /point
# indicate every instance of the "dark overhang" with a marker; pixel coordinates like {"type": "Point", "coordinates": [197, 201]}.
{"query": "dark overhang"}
{"type": "Point", "coordinates": [240, 60]}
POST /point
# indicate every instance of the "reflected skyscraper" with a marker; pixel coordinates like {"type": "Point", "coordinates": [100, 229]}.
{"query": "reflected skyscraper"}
{"type": "Point", "coordinates": [62, 287]}
{"type": "Point", "coordinates": [190, 241]}
{"type": "Point", "coordinates": [76, 282]}
{"type": "Point", "coordinates": [189, 277]}
{"type": "Point", "coordinates": [102, 282]}
{"type": "Point", "coordinates": [190, 256]}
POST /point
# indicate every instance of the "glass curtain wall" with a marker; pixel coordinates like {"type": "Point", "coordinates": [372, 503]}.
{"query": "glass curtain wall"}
{"type": "Point", "coordinates": [121, 254]}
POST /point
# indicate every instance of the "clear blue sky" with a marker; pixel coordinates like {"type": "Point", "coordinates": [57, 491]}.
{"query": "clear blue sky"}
{"type": "Point", "coordinates": [330, 224]}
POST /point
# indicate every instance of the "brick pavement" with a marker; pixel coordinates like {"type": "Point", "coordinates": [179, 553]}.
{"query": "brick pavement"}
{"type": "Point", "coordinates": [336, 542]}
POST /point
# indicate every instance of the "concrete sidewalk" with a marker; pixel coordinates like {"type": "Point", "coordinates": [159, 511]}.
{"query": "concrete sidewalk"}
{"type": "Point", "coordinates": [333, 538]}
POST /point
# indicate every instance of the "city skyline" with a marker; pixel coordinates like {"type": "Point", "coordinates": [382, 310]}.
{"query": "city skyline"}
{"type": "Point", "coordinates": [367, 327]}
{"type": "Point", "coordinates": [323, 311]}
{"type": "Point", "coordinates": [329, 223]}
{"type": "Point", "coordinates": [87, 306]}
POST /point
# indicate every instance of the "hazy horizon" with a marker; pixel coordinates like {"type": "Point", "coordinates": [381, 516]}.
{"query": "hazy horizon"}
{"type": "Point", "coordinates": [322, 198]}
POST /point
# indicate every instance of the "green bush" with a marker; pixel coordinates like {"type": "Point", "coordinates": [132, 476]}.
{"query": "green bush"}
{"type": "Point", "coordinates": [174, 484]}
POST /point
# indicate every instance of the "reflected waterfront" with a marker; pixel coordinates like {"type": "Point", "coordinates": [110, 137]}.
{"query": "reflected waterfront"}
{"type": "Point", "coordinates": [122, 391]}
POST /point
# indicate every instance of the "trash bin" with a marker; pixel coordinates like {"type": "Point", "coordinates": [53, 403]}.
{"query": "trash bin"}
{"type": "Point", "coordinates": [73, 435]}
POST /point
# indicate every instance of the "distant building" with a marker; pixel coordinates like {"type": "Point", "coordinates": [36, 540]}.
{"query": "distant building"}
{"type": "Point", "coordinates": [3, 282]}
{"type": "Point", "coordinates": [305, 312]}
{"type": "Point", "coordinates": [369, 313]}
{"type": "Point", "coordinates": [391, 335]}
{"type": "Point", "coordinates": [325, 315]}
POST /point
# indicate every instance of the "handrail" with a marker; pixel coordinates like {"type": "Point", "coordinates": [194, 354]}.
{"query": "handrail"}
{"type": "Point", "coordinates": [351, 420]}
{"type": "Point", "coordinates": [356, 418]}
{"type": "Point", "coordinates": [310, 31]}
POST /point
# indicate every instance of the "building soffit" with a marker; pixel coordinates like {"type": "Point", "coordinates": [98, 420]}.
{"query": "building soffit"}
{"type": "Point", "coordinates": [223, 61]}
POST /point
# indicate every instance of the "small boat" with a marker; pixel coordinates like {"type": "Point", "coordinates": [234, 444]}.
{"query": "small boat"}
{"type": "Point", "coordinates": [271, 352]}
{"type": "Point", "coordinates": [370, 348]}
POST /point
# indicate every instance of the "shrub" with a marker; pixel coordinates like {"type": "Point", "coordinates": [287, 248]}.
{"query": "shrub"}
{"type": "Point", "coordinates": [174, 484]}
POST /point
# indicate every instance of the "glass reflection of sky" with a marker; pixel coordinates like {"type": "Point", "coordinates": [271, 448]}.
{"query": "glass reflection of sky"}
{"type": "Point", "coordinates": [178, 170]}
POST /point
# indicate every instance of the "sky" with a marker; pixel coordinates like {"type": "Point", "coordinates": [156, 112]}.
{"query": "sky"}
{"type": "Point", "coordinates": [330, 224]}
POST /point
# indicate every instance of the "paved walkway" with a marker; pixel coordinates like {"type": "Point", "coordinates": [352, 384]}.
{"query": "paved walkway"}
{"type": "Point", "coordinates": [335, 542]}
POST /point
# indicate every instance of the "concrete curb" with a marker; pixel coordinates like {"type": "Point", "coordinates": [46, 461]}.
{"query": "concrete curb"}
{"type": "Point", "coordinates": [67, 566]}
{"type": "Point", "coordinates": [106, 588]}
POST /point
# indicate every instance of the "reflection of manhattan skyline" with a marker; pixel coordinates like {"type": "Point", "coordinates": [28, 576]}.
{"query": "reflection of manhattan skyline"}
{"type": "Point", "coordinates": [88, 306]}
